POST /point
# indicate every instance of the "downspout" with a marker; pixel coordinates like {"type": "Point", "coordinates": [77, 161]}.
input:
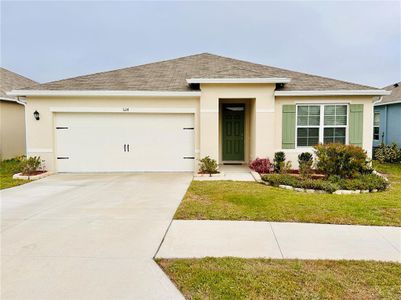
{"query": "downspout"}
{"type": "Point", "coordinates": [20, 101]}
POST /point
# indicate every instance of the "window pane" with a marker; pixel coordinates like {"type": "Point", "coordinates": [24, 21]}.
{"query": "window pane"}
{"type": "Point", "coordinates": [302, 132]}
{"type": "Point", "coordinates": [339, 132]}
{"type": "Point", "coordinates": [328, 132]}
{"type": "Point", "coordinates": [377, 119]}
{"type": "Point", "coordinates": [313, 141]}
{"type": "Point", "coordinates": [334, 135]}
{"type": "Point", "coordinates": [340, 140]}
{"type": "Point", "coordinates": [302, 110]}
{"type": "Point", "coordinates": [307, 137]}
{"type": "Point", "coordinates": [329, 120]}
{"type": "Point", "coordinates": [302, 142]}
{"type": "Point", "coordinates": [329, 110]}
{"type": "Point", "coordinates": [314, 120]}
{"type": "Point", "coordinates": [376, 133]}
{"type": "Point", "coordinates": [341, 110]}
{"type": "Point", "coordinates": [302, 121]}
{"type": "Point", "coordinates": [341, 120]}
{"type": "Point", "coordinates": [313, 132]}
{"type": "Point", "coordinates": [314, 110]}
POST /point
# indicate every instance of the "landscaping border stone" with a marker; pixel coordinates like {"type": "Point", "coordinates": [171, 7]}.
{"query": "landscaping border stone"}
{"type": "Point", "coordinates": [32, 177]}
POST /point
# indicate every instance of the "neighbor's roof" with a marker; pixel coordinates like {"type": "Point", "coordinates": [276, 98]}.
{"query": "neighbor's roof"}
{"type": "Point", "coordinates": [395, 94]}
{"type": "Point", "coordinates": [171, 75]}
{"type": "Point", "coordinates": [10, 81]}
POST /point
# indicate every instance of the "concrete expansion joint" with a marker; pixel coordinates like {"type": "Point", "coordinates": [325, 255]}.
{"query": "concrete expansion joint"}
{"type": "Point", "coordinates": [275, 237]}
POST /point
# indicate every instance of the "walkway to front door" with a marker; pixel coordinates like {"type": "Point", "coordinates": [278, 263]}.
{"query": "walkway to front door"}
{"type": "Point", "coordinates": [233, 132]}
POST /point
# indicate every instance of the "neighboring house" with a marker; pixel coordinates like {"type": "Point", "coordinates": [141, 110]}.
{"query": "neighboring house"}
{"type": "Point", "coordinates": [12, 115]}
{"type": "Point", "coordinates": [164, 116]}
{"type": "Point", "coordinates": [387, 117]}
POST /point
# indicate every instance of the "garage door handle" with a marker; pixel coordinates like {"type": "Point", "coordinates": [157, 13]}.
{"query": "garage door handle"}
{"type": "Point", "coordinates": [128, 147]}
{"type": "Point", "coordinates": [125, 148]}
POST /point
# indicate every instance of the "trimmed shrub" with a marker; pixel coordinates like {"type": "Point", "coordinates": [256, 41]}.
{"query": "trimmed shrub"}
{"type": "Point", "coordinates": [388, 153]}
{"type": "Point", "coordinates": [363, 182]}
{"type": "Point", "coordinates": [208, 165]}
{"type": "Point", "coordinates": [345, 161]}
{"type": "Point", "coordinates": [278, 161]}
{"type": "Point", "coordinates": [30, 165]}
{"type": "Point", "coordinates": [261, 165]}
{"type": "Point", "coordinates": [316, 184]}
{"type": "Point", "coordinates": [305, 161]}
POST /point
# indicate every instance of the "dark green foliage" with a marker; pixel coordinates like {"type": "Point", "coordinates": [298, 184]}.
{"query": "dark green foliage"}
{"type": "Point", "coordinates": [279, 161]}
{"type": "Point", "coordinates": [361, 182]}
{"type": "Point", "coordinates": [208, 165]}
{"type": "Point", "coordinates": [388, 153]}
{"type": "Point", "coordinates": [305, 162]}
{"type": "Point", "coordinates": [346, 161]}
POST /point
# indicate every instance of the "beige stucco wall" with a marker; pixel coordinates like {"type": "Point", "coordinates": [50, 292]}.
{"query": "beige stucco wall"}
{"type": "Point", "coordinates": [12, 129]}
{"type": "Point", "coordinates": [262, 124]}
{"type": "Point", "coordinates": [40, 134]}
{"type": "Point", "coordinates": [292, 154]}
{"type": "Point", "coordinates": [261, 115]}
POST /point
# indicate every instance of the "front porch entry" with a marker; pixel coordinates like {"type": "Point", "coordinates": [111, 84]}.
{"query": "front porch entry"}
{"type": "Point", "coordinates": [233, 133]}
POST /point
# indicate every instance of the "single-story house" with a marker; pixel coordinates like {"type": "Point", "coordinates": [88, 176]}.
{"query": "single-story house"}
{"type": "Point", "coordinates": [164, 116]}
{"type": "Point", "coordinates": [12, 115]}
{"type": "Point", "coordinates": [387, 117]}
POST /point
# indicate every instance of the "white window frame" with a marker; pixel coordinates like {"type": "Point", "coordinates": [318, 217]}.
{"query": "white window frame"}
{"type": "Point", "coordinates": [374, 114]}
{"type": "Point", "coordinates": [321, 125]}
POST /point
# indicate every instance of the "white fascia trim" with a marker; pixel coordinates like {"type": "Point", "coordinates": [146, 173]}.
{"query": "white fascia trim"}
{"type": "Point", "coordinates": [170, 110]}
{"type": "Point", "coordinates": [388, 103]}
{"type": "Point", "coordinates": [11, 100]}
{"type": "Point", "coordinates": [334, 93]}
{"type": "Point", "coordinates": [90, 93]}
{"type": "Point", "coordinates": [239, 80]}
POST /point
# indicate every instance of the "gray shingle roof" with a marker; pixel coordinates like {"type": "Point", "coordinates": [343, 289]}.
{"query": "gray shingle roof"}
{"type": "Point", "coordinates": [171, 75]}
{"type": "Point", "coordinates": [10, 81]}
{"type": "Point", "coordinates": [395, 93]}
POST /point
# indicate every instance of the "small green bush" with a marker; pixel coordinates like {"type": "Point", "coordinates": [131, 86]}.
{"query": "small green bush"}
{"type": "Point", "coordinates": [316, 184]}
{"type": "Point", "coordinates": [208, 165]}
{"type": "Point", "coordinates": [346, 161]}
{"type": "Point", "coordinates": [31, 165]}
{"type": "Point", "coordinates": [363, 182]}
{"type": "Point", "coordinates": [279, 161]}
{"type": "Point", "coordinates": [305, 162]}
{"type": "Point", "coordinates": [388, 153]}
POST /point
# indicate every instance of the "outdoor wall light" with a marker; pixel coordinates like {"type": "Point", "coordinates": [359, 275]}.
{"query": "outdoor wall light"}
{"type": "Point", "coordinates": [36, 115]}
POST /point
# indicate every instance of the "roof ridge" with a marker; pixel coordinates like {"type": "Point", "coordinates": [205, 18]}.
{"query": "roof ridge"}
{"type": "Point", "coordinates": [300, 73]}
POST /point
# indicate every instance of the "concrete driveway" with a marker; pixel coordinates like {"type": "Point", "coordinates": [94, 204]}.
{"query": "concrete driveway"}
{"type": "Point", "coordinates": [88, 236]}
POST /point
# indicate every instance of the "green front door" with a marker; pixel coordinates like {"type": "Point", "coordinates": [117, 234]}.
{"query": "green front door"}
{"type": "Point", "coordinates": [233, 132]}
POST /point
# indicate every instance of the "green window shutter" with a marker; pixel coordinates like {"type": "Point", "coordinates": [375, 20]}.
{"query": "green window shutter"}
{"type": "Point", "coordinates": [288, 127]}
{"type": "Point", "coordinates": [356, 124]}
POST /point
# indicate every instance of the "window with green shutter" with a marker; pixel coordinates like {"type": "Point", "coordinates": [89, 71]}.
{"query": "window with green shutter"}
{"type": "Point", "coordinates": [321, 123]}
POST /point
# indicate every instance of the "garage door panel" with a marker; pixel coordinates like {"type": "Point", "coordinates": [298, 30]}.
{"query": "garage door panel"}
{"type": "Point", "coordinates": [95, 142]}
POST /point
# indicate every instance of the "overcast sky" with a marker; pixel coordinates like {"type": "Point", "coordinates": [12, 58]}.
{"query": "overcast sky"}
{"type": "Point", "coordinates": [355, 41]}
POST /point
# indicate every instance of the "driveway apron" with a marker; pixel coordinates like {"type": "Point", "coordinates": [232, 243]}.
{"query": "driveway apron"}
{"type": "Point", "coordinates": [88, 236]}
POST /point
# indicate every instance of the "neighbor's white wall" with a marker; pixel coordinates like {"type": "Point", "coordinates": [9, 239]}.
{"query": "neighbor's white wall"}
{"type": "Point", "coordinates": [40, 134]}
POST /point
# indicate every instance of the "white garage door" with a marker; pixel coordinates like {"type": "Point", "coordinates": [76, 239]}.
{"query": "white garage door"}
{"type": "Point", "coordinates": [113, 142]}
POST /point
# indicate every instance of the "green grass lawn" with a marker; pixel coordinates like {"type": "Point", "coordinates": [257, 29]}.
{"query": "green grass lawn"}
{"type": "Point", "coordinates": [7, 169]}
{"type": "Point", "coordinates": [230, 200]}
{"type": "Point", "coordinates": [235, 278]}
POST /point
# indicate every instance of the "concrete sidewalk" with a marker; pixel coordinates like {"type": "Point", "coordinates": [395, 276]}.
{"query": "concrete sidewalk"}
{"type": "Point", "coordinates": [249, 239]}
